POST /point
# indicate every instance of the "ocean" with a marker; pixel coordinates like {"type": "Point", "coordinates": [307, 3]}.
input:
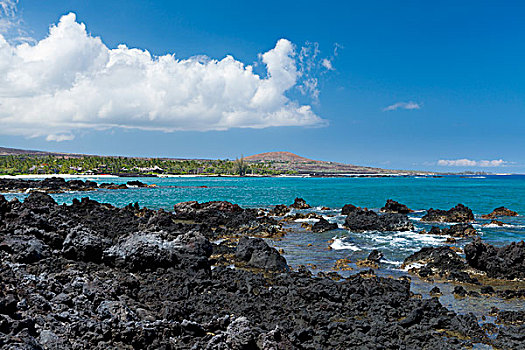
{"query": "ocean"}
{"type": "Point", "coordinates": [480, 193]}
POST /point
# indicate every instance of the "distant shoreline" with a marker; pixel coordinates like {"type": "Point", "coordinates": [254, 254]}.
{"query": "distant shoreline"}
{"type": "Point", "coordinates": [70, 176]}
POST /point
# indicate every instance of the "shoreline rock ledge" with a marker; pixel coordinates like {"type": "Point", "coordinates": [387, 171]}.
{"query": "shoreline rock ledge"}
{"type": "Point", "coordinates": [460, 213]}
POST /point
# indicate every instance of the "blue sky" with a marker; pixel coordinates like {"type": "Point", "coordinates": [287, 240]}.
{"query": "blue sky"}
{"type": "Point", "coordinates": [414, 85]}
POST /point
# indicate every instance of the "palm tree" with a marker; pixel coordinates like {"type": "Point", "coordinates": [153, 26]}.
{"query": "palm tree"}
{"type": "Point", "coordinates": [239, 166]}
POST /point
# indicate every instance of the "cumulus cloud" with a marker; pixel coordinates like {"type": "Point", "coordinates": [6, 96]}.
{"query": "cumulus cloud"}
{"type": "Point", "coordinates": [403, 105]}
{"type": "Point", "coordinates": [72, 81]}
{"type": "Point", "coordinates": [473, 163]}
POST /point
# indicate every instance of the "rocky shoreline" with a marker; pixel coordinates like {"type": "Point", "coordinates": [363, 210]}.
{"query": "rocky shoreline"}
{"type": "Point", "coordinates": [91, 275]}
{"type": "Point", "coordinates": [60, 185]}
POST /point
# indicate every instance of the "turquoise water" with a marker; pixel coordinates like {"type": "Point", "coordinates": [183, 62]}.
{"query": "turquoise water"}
{"type": "Point", "coordinates": [481, 194]}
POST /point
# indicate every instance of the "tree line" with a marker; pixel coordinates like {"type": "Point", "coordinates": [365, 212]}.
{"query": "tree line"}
{"type": "Point", "coordinates": [32, 164]}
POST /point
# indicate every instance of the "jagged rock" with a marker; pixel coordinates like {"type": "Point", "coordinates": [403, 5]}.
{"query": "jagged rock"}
{"type": "Point", "coordinates": [146, 251]}
{"type": "Point", "coordinates": [459, 213]}
{"type": "Point", "coordinates": [83, 244]}
{"type": "Point", "coordinates": [495, 222]}
{"type": "Point", "coordinates": [436, 258]}
{"type": "Point", "coordinates": [460, 291]}
{"type": "Point", "coordinates": [279, 210]}
{"type": "Point", "coordinates": [112, 186]}
{"type": "Point", "coordinates": [435, 291]}
{"type": "Point", "coordinates": [375, 255]}
{"type": "Point", "coordinates": [256, 253]}
{"type": "Point", "coordinates": [363, 220]}
{"type": "Point", "coordinates": [458, 230]}
{"type": "Point", "coordinates": [323, 225]}
{"type": "Point", "coordinates": [24, 249]}
{"type": "Point", "coordinates": [500, 211]}
{"type": "Point", "coordinates": [392, 206]}
{"type": "Point", "coordinates": [300, 203]}
{"type": "Point", "coordinates": [137, 183]}
{"type": "Point", "coordinates": [506, 262]}
{"type": "Point", "coordinates": [348, 208]}
{"type": "Point", "coordinates": [126, 302]}
{"type": "Point", "coordinates": [49, 185]}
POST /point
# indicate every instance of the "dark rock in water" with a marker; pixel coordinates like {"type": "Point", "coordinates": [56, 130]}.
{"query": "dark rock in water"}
{"type": "Point", "coordinates": [375, 256]}
{"type": "Point", "coordinates": [300, 203]}
{"type": "Point", "coordinates": [460, 230]}
{"type": "Point", "coordinates": [348, 208]}
{"type": "Point", "coordinates": [459, 290]}
{"type": "Point", "coordinates": [50, 185]}
{"type": "Point", "coordinates": [323, 225]}
{"type": "Point", "coordinates": [506, 262]}
{"type": "Point", "coordinates": [200, 211]}
{"type": "Point", "coordinates": [463, 277]}
{"type": "Point", "coordinates": [510, 316]}
{"type": "Point", "coordinates": [438, 258]}
{"type": "Point", "coordinates": [279, 210]}
{"type": "Point", "coordinates": [501, 211]}
{"type": "Point", "coordinates": [136, 183]}
{"type": "Point", "coordinates": [256, 253]}
{"type": "Point", "coordinates": [435, 291]}
{"type": "Point", "coordinates": [221, 217]}
{"type": "Point", "coordinates": [392, 206]}
{"type": "Point", "coordinates": [112, 186]}
{"type": "Point", "coordinates": [365, 220]}
{"type": "Point", "coordinates": [459, 213]}
{"type": "Point", "coordinates": [495, 222]}
{"type": "Point", "coordinates": [487, 290]}
{"type": "Point", "coordinates": [457, 230]}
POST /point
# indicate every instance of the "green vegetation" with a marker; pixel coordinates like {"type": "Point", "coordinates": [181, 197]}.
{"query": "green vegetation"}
{"type": "Point", "coordinates": [31, 164]}
{"type": "Point", "coordinates": [240, 166]}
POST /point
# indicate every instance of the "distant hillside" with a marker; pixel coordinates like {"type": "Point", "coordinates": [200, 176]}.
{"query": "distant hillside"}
{"type": "Point", "coordinates": [278, 157]}
{"type": "Point", "coordinates": [5, 151]}
{"type": "Point", "coordinates": [269, 163]}
{"type": "Point", "coordinates": [287, 161]}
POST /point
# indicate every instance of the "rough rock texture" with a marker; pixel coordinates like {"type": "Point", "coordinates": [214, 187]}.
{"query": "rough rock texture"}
{"type": "Point", "coordinates": [48, 185]}
{"type": "Point", "coordinates": [366, 220]}
{"type": "Point", "coordinates": [348, 208]}
{"type": "Point", "coordinates": [256, 253]}
{"type": "Point", "coordinates": [279, 210]}
{"type": "Point", "coordinates": [459, 213]}
{"type": "Point", "coordinates": [221, 218]}
{"type": "Point", "coordinates": [392, 206]}
{"type": "Point", "coordinates": [458, 230]}
{"type": "Point", "coordinates": [300, 203]}
{"type": "Point", "coordinates": [375, 255]}
{"type": "Point", "coordinates": [154, 288]}
{"type": "Point", "coordinates": [507, 262]}
{"type": "Point", "coordinates": [439, 259]}
{"type": "Point", "coordinates": [323, 225]}
{"type": "Point", "coordinates": [136, 183]}
{"type": "Point", "coordinates": [501, 211]}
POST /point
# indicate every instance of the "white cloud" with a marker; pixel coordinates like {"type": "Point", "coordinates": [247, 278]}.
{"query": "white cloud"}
{"type": "Point", "coordinates": [327, 64]}
{"type": "Point", "coordinates": [71, 81]}
{"type": "Point", "coordinates": [473, 163]}
{"type": "Point", "coordinates": [403, 105]}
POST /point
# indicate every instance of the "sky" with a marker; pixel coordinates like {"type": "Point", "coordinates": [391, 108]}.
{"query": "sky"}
{"type": "Point", "coordinates": [393, 84]}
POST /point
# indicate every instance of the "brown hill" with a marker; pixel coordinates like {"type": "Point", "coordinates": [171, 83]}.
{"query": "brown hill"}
{"type": "Point", "coordinates": [286, 161]}
{"type": "Point", "coordinates": [278, 157]}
